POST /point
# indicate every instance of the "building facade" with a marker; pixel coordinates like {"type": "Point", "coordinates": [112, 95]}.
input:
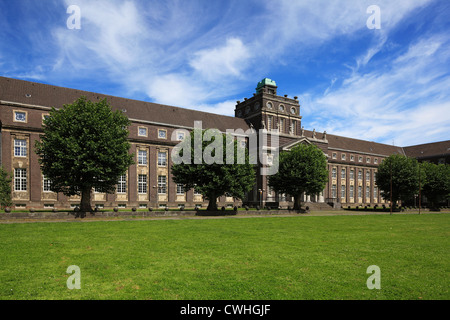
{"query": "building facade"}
{"type": "Point", "coordinates": [156, 129]}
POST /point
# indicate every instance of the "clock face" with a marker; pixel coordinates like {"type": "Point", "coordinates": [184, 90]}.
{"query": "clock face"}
{"type": "Point", "coordinates": [293, 110]}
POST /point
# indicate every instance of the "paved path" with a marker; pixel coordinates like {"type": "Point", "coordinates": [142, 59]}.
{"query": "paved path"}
{"type": "Point", "coordinates": [238, 216]}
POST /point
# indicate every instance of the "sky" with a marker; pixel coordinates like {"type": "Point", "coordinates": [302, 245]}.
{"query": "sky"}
{"type": "Point", "coordinates": [376, 70]}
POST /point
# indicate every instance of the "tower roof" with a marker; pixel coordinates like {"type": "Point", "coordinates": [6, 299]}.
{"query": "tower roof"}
{"type": "Point", "coordinates": [265, 82]}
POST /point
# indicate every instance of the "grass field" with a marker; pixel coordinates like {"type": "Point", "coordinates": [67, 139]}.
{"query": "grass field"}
{"type": "Point", "coordinates": [294, 258]}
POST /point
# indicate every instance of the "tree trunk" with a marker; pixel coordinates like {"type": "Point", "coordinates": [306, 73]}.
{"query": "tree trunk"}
{"type": "Point", "coordinates": [212, 205]}
{"type": "Point", "coordinates": [85, 205]}
{"type": "Point", "coordinates": [297, 202]}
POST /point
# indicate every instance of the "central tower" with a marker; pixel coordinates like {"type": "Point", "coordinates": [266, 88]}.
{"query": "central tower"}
{"type": "Point", "coordinates": [267, 110]}
{"type": "Point", "coordinates": [275, 114]}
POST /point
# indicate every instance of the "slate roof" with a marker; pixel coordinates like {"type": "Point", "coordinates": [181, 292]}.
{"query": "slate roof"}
{"type": "Point", "coordinates": [15, 90]}
{"type": "Point", "coordinates": [32, 93]}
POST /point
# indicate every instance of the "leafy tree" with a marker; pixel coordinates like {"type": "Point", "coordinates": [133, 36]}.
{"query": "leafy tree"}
{"type": "Point", "coordinates": [436, 186]}
{"type": "Point", "coordinates": [5, 189]}
{"type": "Point", "coordinates": [404, 174]}
{"type": "Point", "coordinates": [303, 169]}
{"type": "Point", "coordinates": [84, 146]}
{"type": "Point", "coordinates": [200, 162]}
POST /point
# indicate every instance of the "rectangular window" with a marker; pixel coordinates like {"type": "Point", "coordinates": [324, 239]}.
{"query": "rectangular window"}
{"type": "Point", "coordinates": [367, 192]}
{"type": "Point", "coordinates": [162, 134]}
{"type": "Point", "coordinates": [142, 157]}
{"type": "Point", "coordinates": [20, 148]}
{"type": "Point", "coordinates": [342, 173]}
{"type": "Point", "coordinates": [375, 160]}
{"type": "Point", "coordinates": [359, 175]}
{"type": "Point", "coordinates": [352, 174]}
{"type": "Point", "coordinates": [360, 159]}
{"type": "Point", "coordinates": [342, 191]}
{"type": "Point", "coordinates": [351, 192]}
{"type": "Point", "coordinates": [142, 183]}
{"type": "Point", "coordinates": [269, 123]}
{"type": "Point", "coordinates": [20, 116]}
{"type": "Point", "coordinates": [352, 157]}
{"type": "Point", "coordinates": [375, 193]}
{"type": "Point", "coordinates": [368, 160]}
{"type": "Point", "coordinates": [334, 191]}
{"type": "Point", "coordinates": [281, 125]}
{"type": "Point", "coordinates": [122, 184]}
{"type": "Point", "coordinates": [180, 136]}
{"type": "Point", "coordinates": [359, 192]}
{"type": "Point", "coordinates": [180, 188]}
{"type": "Point", "coordinates": [367, 175]}
{"type": "Point", "coordinates": [162, 184]}
{"type": "Point", "coordinates": [142, 131]}
{"type": "Point", "coordinates": [20, 179]}
{"type": "Point", "coordinates": [47, 184]}
{"type": "Point", "coordinates": [333, 173]}
{"type": "Point", "coordinates": [162, 159]}
{"type": "Point", "coordinates": [343, 156]}
{"type": "Point", "coordinates": [334, 156]}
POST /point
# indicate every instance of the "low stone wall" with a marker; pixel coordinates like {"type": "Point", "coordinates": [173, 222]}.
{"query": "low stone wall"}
{"type": "Point", "coordinates": [69, 215]}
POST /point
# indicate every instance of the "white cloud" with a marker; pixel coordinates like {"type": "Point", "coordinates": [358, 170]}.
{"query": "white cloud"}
{"type": "Point", "coordinates": [217, 63]}
{"type": "Point", "coordinates": [408, 99]}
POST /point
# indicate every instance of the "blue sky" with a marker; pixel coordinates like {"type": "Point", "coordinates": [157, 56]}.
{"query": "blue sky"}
{"type": "Point", "coordinates": [389, 85]}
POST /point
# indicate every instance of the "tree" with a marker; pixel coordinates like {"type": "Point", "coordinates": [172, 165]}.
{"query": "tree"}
{"type": "Point", "coordinates": [401, 174]}
{"type": "Point", "coordinates": [204, 166]}
{"type": "Point", "coordinates": [436, 186]}
{"type": "Point", "coordinates": [303, 169]}
{"type": "Point", "coordinates": [84, 146]}
{"type": "Point", "coordinates": [5, 189]}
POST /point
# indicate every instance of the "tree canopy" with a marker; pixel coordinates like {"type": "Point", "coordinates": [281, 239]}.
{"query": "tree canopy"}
{"type": "Point", "coordinates": [201, 162]}
{"type": "Point", "coordinates": [436, 186]}
{"type": "Point", "coordinates": [84, 146]}
{"type": "Point", "coordinates": [5, 189]}
{"type": "Point", "coordinates": [303, 169]}
{"type": "Point", "coordinates": [404, 173]}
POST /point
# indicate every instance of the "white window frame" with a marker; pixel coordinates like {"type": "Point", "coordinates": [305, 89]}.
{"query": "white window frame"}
{"type": "Point", "coordinates": [142, 183]}
{"type": "Point", "coordinates": [20, 148]}
{"type": "Point", "coordinates": [162, 185]}
{"type": "Point", "coordinates": [162, 158]}
{"type": "Point", "coordinates": [142, 160]}
{"type": "Point", "coordinates": [20, 179]}
{"type": "Point", "coordinates": [46, 184]}
{"type": "Point", "coordinates": [180, 189]}
{"type": "Point", "coordinates": [122, 184]}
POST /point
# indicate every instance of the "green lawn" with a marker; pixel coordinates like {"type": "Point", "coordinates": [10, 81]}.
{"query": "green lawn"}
{"type": "Point", "coordinates": [301, 257]}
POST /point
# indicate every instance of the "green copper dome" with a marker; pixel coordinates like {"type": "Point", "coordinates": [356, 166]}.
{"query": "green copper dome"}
{"type": "Point", "coordinates": [265, 82]}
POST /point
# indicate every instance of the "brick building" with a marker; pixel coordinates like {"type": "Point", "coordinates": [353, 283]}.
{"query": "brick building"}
{"type": "Point", "coordinates": [156, 129]}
